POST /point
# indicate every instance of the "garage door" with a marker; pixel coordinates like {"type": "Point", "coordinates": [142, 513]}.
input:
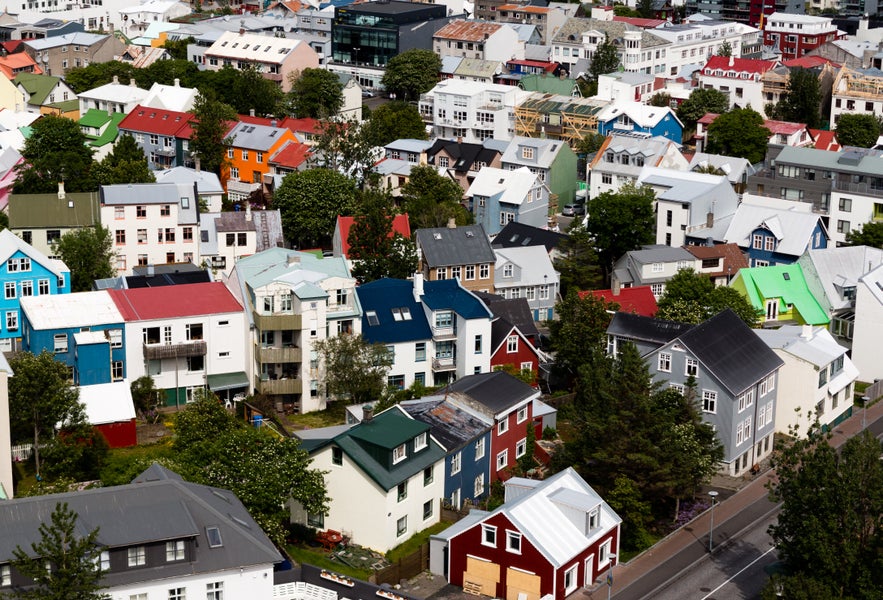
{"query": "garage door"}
{"type": "Point", "coordinates": [522, 586]}
{"type": "Point", "coordinates": [483, 575]}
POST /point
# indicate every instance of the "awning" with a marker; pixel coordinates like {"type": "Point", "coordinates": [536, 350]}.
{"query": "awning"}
{"type": "Point", "coordinates": [227, 381]}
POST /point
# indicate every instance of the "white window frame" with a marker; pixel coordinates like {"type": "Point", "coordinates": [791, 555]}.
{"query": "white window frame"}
{"type": "Point", "coordinates": [664, 362]}
{"type": "Point", "coordinates": [570, 583]}
{"type": "Point", "coordinates": [709, 399]}
{"type": "Point", "coordinates": [479, 448]}
{"type": "Point", "coordinates": [488, 531]}
{"type": "Point", "coordinates": [513, 541]}
{"type": "Point", "coordinates": [456, 462]}
{"type": "Point", "coordinates": [399, 453]}
{"type": "Point", "coordinates": [136, 556]}
{"type": "Point", "coordinates": [521, 447]}
{"type": "Point", "coordinates": [503, 460]}
{"type": "Point", "coordinates": [421, 441]}
{"type": "Point", "coordinates": [521, 415]}
{"type": "Point", "coordinates": [691, 362]}
{"type": "Point", "coordinates": [503, 425]}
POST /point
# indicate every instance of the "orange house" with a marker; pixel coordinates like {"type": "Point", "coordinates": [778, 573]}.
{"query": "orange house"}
{"type": "Point", "coordinates": [249, 156]}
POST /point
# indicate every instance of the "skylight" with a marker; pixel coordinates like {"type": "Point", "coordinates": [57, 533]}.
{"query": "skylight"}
{"type": "Point", "coordinates": [214, 537]}
{"type": "Point", "coordinates": [397, 314]}
{"type": "Point", "coordinates": [372, 318]}
{"type": "Point", "coordinates": [787, 276]}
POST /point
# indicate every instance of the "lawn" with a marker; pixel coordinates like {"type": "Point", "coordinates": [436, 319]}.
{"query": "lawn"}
{"type": "Point", "coordinates": [412, 544]}
{"type": "Point", "coordinates": [324, 560]}
{"type": "Point", "coordinates": [333, 415]}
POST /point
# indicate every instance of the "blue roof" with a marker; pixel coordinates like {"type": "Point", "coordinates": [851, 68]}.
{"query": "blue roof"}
{"type": "Point", "coordinates": [382, 296]}
{"type": "Point", "coordinates": [447, 294]}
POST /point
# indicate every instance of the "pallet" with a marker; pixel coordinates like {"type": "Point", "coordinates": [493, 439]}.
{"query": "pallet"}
{"type": "Point", "coordinates": [470, 587]}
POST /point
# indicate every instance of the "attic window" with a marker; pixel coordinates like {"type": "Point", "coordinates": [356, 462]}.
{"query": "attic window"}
{"type": "Point", "coordinates": [406, 313]}
{"type": "Point", "coordinates": [397, 314]}
{"type": "Point", "coordinates": [470, 234]}
{"type": "Point", "coordinates": [437, 236]}
{"type": "Point", "coordinates": [399, 454]}
{"type": "Point", "coordinates": [372, 318]}
{"type": "Point", "coordinates": [787, 276]}
{"type": "Point", "coordinates": [214, 537]}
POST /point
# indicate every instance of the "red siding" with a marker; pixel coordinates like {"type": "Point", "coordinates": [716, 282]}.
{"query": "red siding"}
{"type": "Point", "coordinates": [509, 439]}
{"type": "Point", "coordinates": [580, 560]}
{"type": "Point", "coordinates": [524, 354]}
{"type": "Point", "coordinates": [119, 435]}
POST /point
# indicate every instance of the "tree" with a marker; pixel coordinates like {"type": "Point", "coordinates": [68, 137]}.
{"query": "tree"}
{"type": "Point", "coordinates": [801, 100]}
{"type": "Point", "coordinates": [725, 49]}
{"type": "Point", "coordinates": [375, 249]}
{"type": "Point", "coordinates": [310, 202]}
{"type": "Point", "coordinates": [579, 334]}
{"type": "Point", "coordinates": [204, 418]}
{"type": "Point", "coordinates": [661, 99]}
{"type": "Point", "coordinates": [411, 73]}
{"type": "Point", "coordinates": [829, 528]}
{"type": "Point", "coordinates": [81, 79]}
{"type": "Point", "coordinates": [41, 398]}
{"type": "Point", "coordinates": [355, 371]}
{"type": "Point", "coordinates": [700, 102]}
{"type": "Point", "coordinates": [739, 133]}
{"type": "Point", "coordinates": [56, 151]}
{"type": "Point", "coordinates": [394, 121]}
{"type": "Point", "coordinates": [78, 452]}
{"type": "Point", "coordinates": [621, 221]}
{"type": "Point", "coordinates": [89, 253]}
{"type": "Point", "coordinates": [605, 60]}
{"type": "Point", "coordinates": [125, 164]}
{"type": "Point", "coordinates": [645, 9]}
{"type": "Point", "coordinates": [315, 93]}
{"type": "Point", "coordinates": [577, 260]}
{"type": "Point", "coordinates": [431, 199]}
{"type": "Point", "coordinates": [869, 234]}
{"type": "Point", "coordinates": [252, 91]}
{"type": "Point", "coordinates": [76, 568]}
{"type": "Point", "coordinates": [860, 130]}
{"type": "Point", "coordinates": [178, 48]}
{"type": "Point", "coordinates": [144, 393]}
{"type": "Point", "coordinates": [165, 72]}
{"type": "Point", "coordinates": [342, 146]}
{"type": "Point", "coordinates": [691, 297]}
{"type": "Point", "coordinates": [591, 143]}
{"type": "Point", "coordinates": [209, 142]}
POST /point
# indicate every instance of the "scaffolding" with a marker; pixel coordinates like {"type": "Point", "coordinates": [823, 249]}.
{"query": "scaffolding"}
{"type": "Point", "coordinates": [558, 117]}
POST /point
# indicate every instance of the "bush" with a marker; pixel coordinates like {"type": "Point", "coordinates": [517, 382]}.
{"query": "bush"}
{"type": "Point", "coordinates": [550, 433]}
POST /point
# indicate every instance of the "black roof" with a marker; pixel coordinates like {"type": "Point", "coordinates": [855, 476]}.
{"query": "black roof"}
{"type": "Point", "coordinates": [514, 310]}
{"type": "Point", "coordinates": [731, 351]}
{"type": "Point", "coordinates": [449, 424]}
{"type": "Point", "coordinates": [360, 588]}
{"type": "Point", "coordinates": [163, 279]}
{"type": "Point", "coordinates": [515, 235]}
{"type": "Point", "coordinates": [646, 329]}
{"type": "Point", "coordinates": [464, 154]}
{"type": "Point", "coordinates": [496, 391]}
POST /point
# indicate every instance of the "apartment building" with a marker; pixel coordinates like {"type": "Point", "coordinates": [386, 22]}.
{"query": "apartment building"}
{"type": "Point", "coordinates": [274, 58]}
{"type": "Point", "coordinates": [471, 111]}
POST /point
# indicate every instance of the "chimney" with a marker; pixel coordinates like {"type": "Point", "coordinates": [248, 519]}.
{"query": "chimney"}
{"type": "Point", "coordinates": [197, 164]}
{"type": "Point", "coordinates": [709, 219]}
{"type": "Point", "coordinates": [177, 82]}
{"type": "Point", "coordinates": [61, 193]}
{"type": "Point", "coordinates": [732, 61]}
{"type": "Point", "coordinates": [273, 123]}
{"type": "Point", "coordinates": [806, 332]}
{"type": "Point", "coordinates": [615, 286]}
{"type": "Point", "coordinates": [250, 112]}
{"type": "Point", "coordinates": [116, 79]}
{"type": "Point", "coordinates": [452, 223]}
{"type": "Point", "coordinates": [293, 259]}
{"type": "Point", "coordinates": [367, 413]}
{"type": "Point", "coordinates": [248, 211]}
{"type": "Point", "coordinates": [418, 286]}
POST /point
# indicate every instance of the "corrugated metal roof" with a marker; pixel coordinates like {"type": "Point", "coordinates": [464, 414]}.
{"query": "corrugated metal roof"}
{"type": "Point", "coordinates": [65, 311]}
{"type": "Point", "coordinates": [446, 246]}
{"type": "Point", "coordinates": [146, 304]}
{"type": "Point", "coordinates": [32, 211]}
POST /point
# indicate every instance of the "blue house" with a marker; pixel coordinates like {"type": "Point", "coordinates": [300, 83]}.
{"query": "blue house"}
{"type": "Point", "coordinates": [85, 331]}
{"type": "Point", "coordinates": [466, 439]}
{"type": "Point", "coordinates": [498, 197]}
{"type": "Point", "coordinates": [25, 272]}
{"type": "Point", "coordinates": [642, 118]}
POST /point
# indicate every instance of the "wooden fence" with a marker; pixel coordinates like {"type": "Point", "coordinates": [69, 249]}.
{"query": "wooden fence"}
{"type": "Point", "coordinates": [407, 567]}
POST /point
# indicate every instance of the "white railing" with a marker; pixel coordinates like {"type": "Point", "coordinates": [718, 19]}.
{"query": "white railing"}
{"type": "Point", "coordinates": [22, 452]}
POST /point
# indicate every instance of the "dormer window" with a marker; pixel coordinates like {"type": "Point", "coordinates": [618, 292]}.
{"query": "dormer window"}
{"type": "Point", "coordinates": [213, 534]}
{"type": "Point", "coordinates": [527, 153]}
{"type": "Point", "coordinates": [420, 442]}
{"type": "Point", "coordinates": [399, 454]}
{"type": "Point", "coordinates": [513, 542]}
{"type": "Point", "coordinates": [594, 518]}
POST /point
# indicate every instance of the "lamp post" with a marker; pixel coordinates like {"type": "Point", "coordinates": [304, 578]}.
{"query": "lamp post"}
{"type": "Point", "coordinates": [864, 412]}
{"type": "Point", "coordinates": [613, 558]}
{"type": "Point", "coordinates": [713, 495]}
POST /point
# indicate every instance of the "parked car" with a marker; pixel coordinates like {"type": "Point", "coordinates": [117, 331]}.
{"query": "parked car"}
{"type": "Point", "coordinates": [572, 210]}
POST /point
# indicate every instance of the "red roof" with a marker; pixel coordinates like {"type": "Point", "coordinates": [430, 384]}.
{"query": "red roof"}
{"type": "Point", "coordinates": [783, 127]}
{"type": "Point", "coordinates": [305, 125]}
{"type": "Point", "coordinates": [638, 22]}
{"type": "Point", "coordinates": [638, 300]}
{"type": "Point", "coordinates": [708, 118]}
{"type": "Point", "coordinates": [291, 155]}
{"type": "Point", "coordinates": [400, 225]}
{"type": "Point", "coordinates": [547, 65]}
{"type": "Point", "coordinates": [170, 301]}
{"type": "Point", "coordinates": [808, 62]}
{"type": "Point", "coordinates": [739, 65]}
{"type": "Point", "coordinates": [157, 120]}
{"type": "Point", "coordinates": [825, 140]}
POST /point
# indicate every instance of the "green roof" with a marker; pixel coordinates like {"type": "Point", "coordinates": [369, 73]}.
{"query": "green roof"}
{"type": "Point", "coordinates": [785, 282]}
{"type": "Point", "coordinates": [66, 105]}
{"type": "Point", "coordinates": [38, 86]}
{"type": "Point", "coordinates": [111, 131]}
{"type": "Point", "coordinates": [33, 211]}
{"type": "Point", "coordinates": [94, 118]}
{"type": "Point", "coordinates": [547, 84]}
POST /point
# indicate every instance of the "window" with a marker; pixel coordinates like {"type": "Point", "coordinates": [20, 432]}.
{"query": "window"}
{"type": "Point", "coordinates": [420, 442]}
{"type": "Point", "coordinates": [846, 204]}
{"type": "Point", "coordinates": [470, 272]}
{"type": "Point", "coordinates": [455, 462]}
{"type": "Point", "coordinates": [420, 351]}
{"type": "Point", "coordinates": [213, 534]}
{"type": "Point", "coordinates": [402, 491]}
{"type": "Point", "coordinates": [570, 579]}
{"type": "Point", "coordinates": [658, 267]}
{"type": "Point", "coordinates": [141, 212]}
{"type": "Point", "coordinates": [428, 475]}
{"type": "Point", "coordinates": [664, 362]}
{"type": "Point", "coordinates": [170, 234]}
{"type": "Point", "coordinates": [489, 535]}
{"type": "Point", "coordinates": [521, 448]}
{"type": "Point", "coordinates": [478, 490]}
{"type": "Point", "coordinates": [194, 331]}
{"type": "Point", "coordinates": [513, 542]}
{"type": "Point", "coordinates": [767, 385]}
{"type": "Point", "coordinates": [178, 594]}
{"type": "Point", "coordinates": [399, 454]}
{"type": "Point", "coordinates": [174, 550]}
{"type": "Point", "coordinates": [709, 401]}
{"type": "Point", "coordinates": [757, 241]}
{"type": "Point", "coordinates": [137, 556]}
{"type": "Point", "coordinates": [142, 236]}
{"type": "Point", "coordinates": [27, 288]}
{"type": "Point", "coordinates": [214, 590]}
{"type": "Point", "coordinates": [165, 210]}
{"type": "Point", "coordinates": [769, 243]}
{"type": "Point", "coordinates": [9, 288]}
{"type": "Point", "coordinates": [187, 234]}
{"type": "Point", "coordinates": [259, 157]}
{"type": "Point", "coordinates": [455, 272]}
{"type": "Point", "coordinates": [234, 173]}
{"type": "Point", "coordinates": [527, 153]}
{"type": "Point", "coordinates": [484, 271]}
{"type": "Point", "coordinates": [746, 400]}
{"type": "Point", "coordinates": [502, 459]}
{"type": "Point", "coordinates": [479, 449]}
{"type": "Point", "coordinates": [503, 426]}
{"type": "Point", "coordinates": [402, 526]}
{"type": "Point", "coordinates": [604, 554]}
{"type": "Point", "coordinates": [60, 342]}
{"type": "Point", "coordinates": [336, 456]}
{"type": "Point", "coordinates": [842, 226]}
{"type": "Point", "coordinates": [512, 344]}
{"type": "Point", "coordinates": [823, 377]}
{"type": "Point", "coordinates": [195, 363]}
{"type": "Point", "coordinates": [117, 370]}
{"type": "Point", "coordinates": [245, 155]}
{"type": "Point", "coordinates": [12, 320]}
{"type": "Point", "coordinates": [121, 237]}
{"type": "Point", "coordinates": [507, 271]}
{"type": "Point", "coordinates": [692, 367]}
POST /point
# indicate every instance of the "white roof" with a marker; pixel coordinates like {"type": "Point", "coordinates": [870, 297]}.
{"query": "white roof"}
{"type": "Point", "coordinates": [536, 266]}
{"type": "Point", "coordinates": [61, 311]}
{"type": "Point", "coordinates": [643, 115]}
{"type": "Point", "coordinates": [206, 181]}
{"type": "Point", "coordinates": [839, 268]}
{"type": "Point", "coordinates": [150, 6]}
{"type": "Point", "coordinates": [464, 87]}
{"type": "Point", "coordinates": [90, 337]}
{"type": "Point", "coordinates": [116, 92]}
{"type": "Point", "coordinates": [818, 347]}
{"type": "Point", "coordinates": [108, 402]}
{"type": "Point", "coordinates": [170, 97]}
{"type": "Point", "coordinates": [80, 38]}
{"type": "Point", "coordinates": [252, 47]}
{"type": "Point", "coordinates": [792, 228]}
{"type": "Point", "coordinates": [874, 281]}
{"type": "Point", "coordinates": [11, 243]}
{"type": "Point", "coordinates": [509, 186]}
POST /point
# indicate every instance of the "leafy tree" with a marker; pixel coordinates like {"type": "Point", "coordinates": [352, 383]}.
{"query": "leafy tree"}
{"type": "Point", "coordinates": [41, 398]}
{"type": "Point", "coordinates": [411, 73]}
{"type": "Point", "coordinates": [526, 461]}
{"type": "Point", "coordinates": [636, 512]}
{"type": "Point", "coordinates": [209, 142]}
{"type": "Point", "coordinates": [860, 130]}
{"type": "Point", "coordinates": [869, 234]}
{"type": "Point", "coordinates": [661, 99]}
{"type": "Point", "coordinates": [178, 48]}
{"type": "Point", "coordinates": [645, 9]}
{"type": "Point", "coordinates": [56, 151]}
{"type": "Point", "coordinates": [394, 121]}
{"type": "Point", "coordinates": [342, 146]}
{"type": "Point", "coordinates": [577, 261]}
{"type": "Point", "coordinates": [700, 102]}
{"type": "Point", "coordinates": [375, 249]}
{"type": "Point", "coordinates": [78, 452]}
{"type": "Point", "coordinates": [605, 60]}
{"type": "Point", "coordinates": [801, 100]}
{"type": "Point", "coordinates": [829, 529]}
{"type": "Point", "coordinates": [310, 202]}
{"type": "Point", "coordinates": [431, 199]}
{"type": "Point", "coordinates": [591, 143]}
{"type": "Point", "coordinates": [739, 133]}
{"type": "Point", "coordinates": [81, 79]}
{"type": "Point", "coordinates": [691, 297]}
{"type": "Point", "coordinates": [621, 221]}
{"type": "Point", "coordinates": [252, 91]}
{"type": "Point", "coordinates": [579, 334]}
{"type": "Point", "coordinates": [315, 93]}
{"type": "Point", "coordinates": [76, 568]}
{"type": "Point", "coordinates": [725, 49]}
{"type": "Point", "coordinates": [125, 164]}
{"type": "Point", "coordinates": [144, 393]}
{"type": "Point", "coordinates": [165, 72]}
{"type": "Point", "coordinates": [355, 370]}
{"type": "Point", "coordinates": [89, 253]}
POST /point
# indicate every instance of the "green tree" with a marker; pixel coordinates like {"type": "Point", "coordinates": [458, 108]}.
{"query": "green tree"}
{"type": "Point", "coordinates": [165, 72]}
{"type": "Point", "coordinates": [355, 371]}
{"type": "Point", "coordinates": [74, 558]}
{"type": "Point", "coordinates": [316, 93]}
{"type": "Point", "coordinates": [700, 102]}
{"type": "Point", "coordinates": [203, 419]}
{"type": "Point", "coordinates": [78, 452]}
{"type": "Point", "coordinates": [739, 133]}
{"type": "Point", "coordinates": [577, 260]}
{"type": "Point", "coordinates": [579, 334]}
{"type": "Point", "coordinates": [178, 48]}
{"type": "Point", "coordinates": [145, 394]}
{"type": "Point", "coordinates": [605, 60]}
{"type": "Point", "coordinates": [411, 73]}
{"type": "Point", "coordinates": [591, 143]}
{"type": "Point", "coordinates": [725, 49]}
{"type": "Point", "coordinates": [661, 99]}
{"type": "Point", "coordinates": [691, 297]}
{"type": "Point", "coordinates": [41, 399]}
{"type": "Point", "coordinates": [209, 142]}
{"type": "Point", "coordinates": [431, 199]}
{"type": "Point", "coordinates": [56, 151]}
{"type": "Point", "coordinates": [636, 513]}
{"type": "Point", "coordinates": [125, 164]}
{"type": "Point", "coordinates": [830, 528]}
{"type": "Point", "coordinates": [310, 202]}
{"type": "Point", "coordinates": [645, 9]}
{"type": "Point", "coordinates": [394, 121]}
{"type": "Point", "coordinates": [252, 91]}
{"type": "Point", "coordinates": [621, 221]}
{"type": "Point", "coordinates": [89, 253]}
{"type": "Point", "coordinates": [81, 79]}
{"type": "Point", "coordinates": [801, 100]}
{"type": "Point", "coordinates": [868, 234]}
{"type": "Point", "coordinates": [342, 146]}
{"type": "Point", "coordinates": [860, 130]}
{"type": "Point", "coordinates": [375, 249]}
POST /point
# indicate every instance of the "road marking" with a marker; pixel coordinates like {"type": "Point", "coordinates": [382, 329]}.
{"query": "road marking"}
{"type": "Point", "coordinates": [709, 594]}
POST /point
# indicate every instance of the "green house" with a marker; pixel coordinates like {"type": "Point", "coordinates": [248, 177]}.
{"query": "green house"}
{"type": "Point", "coordinates": [781, 294]}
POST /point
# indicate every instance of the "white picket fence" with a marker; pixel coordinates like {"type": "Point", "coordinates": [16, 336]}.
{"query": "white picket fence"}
{"type": "Point", "coordinates": [22, 452]}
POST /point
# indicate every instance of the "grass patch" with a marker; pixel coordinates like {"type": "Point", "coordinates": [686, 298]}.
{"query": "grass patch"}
{"type": "Point", "coordinates": [333, 415]}
{"type": "Point", "coordinates": [322, 560]}
{"type": "Point", "coordinates": [124, 464]}
{"type": "Point", "coordinates": [413, 543]}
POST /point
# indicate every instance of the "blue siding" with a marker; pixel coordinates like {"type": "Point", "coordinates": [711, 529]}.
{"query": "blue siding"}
{"type": "Point", "coordinates": [92, 364]}
{"type": "Point", "coordinates": [668, 127]}
{"type": "Point", "coordinates": [84, 360]}
{"type": "Point", "coordinates": [470, 468]}
{"type": "Point", "coordinates": [17, 282]}
{"type": "Point", "coordinates": [817, 240]}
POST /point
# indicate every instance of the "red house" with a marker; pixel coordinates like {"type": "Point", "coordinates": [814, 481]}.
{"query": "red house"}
{"type": "Point", "coordinates": [511, 348]}
{"type": "Point", "coordinates": [340, 239]}
{"type": "Point", "coordinates": [110, 410]}
{"type": "Point", "coordinates": [549, 538]}
{"type": "Point", "coordinates": [639, 299]}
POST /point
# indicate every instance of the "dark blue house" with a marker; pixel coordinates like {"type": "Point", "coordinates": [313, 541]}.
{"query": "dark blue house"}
{"type": "Point", "coordinates": [466, 439]}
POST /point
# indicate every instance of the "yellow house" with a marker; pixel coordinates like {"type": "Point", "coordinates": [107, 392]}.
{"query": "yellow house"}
{"type": "Point", "coordinates": [11, 98]}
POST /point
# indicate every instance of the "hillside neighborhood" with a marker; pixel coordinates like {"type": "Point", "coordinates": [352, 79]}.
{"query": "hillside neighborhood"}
{"type": "Point", "coordinates": [314, 300]}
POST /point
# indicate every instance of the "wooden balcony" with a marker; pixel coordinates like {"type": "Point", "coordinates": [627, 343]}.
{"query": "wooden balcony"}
{"type": "Point", "coordinates": [160, 351]}
{"type": "Point", "coordinates": [290, 354]}
{"type": "Point", "coordinates": [275, 387]}
{"type": "Point", "coordinates": [276, 322]}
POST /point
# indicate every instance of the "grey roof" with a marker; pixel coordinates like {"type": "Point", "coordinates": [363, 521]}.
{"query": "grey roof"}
{"type": "Point", "coordinates": [545, 151]}
{"type": "Point", "coordinates": [515, 311]}
{"type": "Point", "coordinates": [793, 229]}
{"type": "Point", "coordinates": [159, 506]}
{"type": "Point", "coordinates": [655, 253]}
{"type": "Point", "coordinates": [79, 38]}
{"type": "Point", "coordinates": [206, 182]}
{"type": "Point", "coordinates": [734, 168]}
{"type": "Point", "coordinates": [828, 271]}
{"type": "Point", "coordinates": [853, 160]}
{"type": "Point", "coordinates": [255, 137]}
{"type": "Point", "coordinates": [128, 194]}
{"type": "Point", "coordinates": [446, 246]}
{"type": "Point", "coordinates": [493, 393]}
{"type": "Point", "coordinates": [517, 234]}
{"type": "Point", "coordinates": [409, 145]}
{"type": "Point", "coordinates": [819, 348]}
{"type": "Point", "coordinates": [572, 30]}
{"type": "Point", "coordinates": [450, 425]}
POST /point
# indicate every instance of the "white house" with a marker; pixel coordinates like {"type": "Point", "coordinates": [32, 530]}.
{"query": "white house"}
{"type": "Point", "coordinates": [623, 156]}
{"type": "Point", "coordinates": [113, 97]}
{"type": "Point", "coordinates": [170, 97]}
{"type": "Point", "coordinates": [137, 18]}
{"type": "Point", "coordinates": [5, 437]}
{"type": "Point", "coordinates": [481, 40]}
{"type": "Point", "coordinates": [527, 272]}
{"type": "Point", "coordinates": [740, 78]}
{"type": "Point", "coordinates": [868, 325]}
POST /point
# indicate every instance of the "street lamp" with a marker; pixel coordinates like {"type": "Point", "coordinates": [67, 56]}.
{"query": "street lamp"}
{"type": "Point", "coordinates": [613, 558]}
{"type": "Point", "coordinates": [864, 412]}
{"type": "Point", "coordinates": [713, 495]}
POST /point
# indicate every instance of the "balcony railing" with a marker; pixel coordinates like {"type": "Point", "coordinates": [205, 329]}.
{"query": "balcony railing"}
{"type": "Point", "coordinates": [289, 354]}
{"type": "Point", "coordinates": [858, 188]}
{"type": "Point", "coordinates": [183, 350]}
{"type": "Point", "coordinates": [279, 386]}
{"type": "Point", "coordinates": [277, 322]}
{"type": "Point", "coordinates": [441, 333]}
{"type": "Point", "coordinates": [448, 363]}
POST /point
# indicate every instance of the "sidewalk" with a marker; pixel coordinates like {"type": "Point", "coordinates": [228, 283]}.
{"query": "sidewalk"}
{"type": "Point", "coordinates": [696, 532]}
